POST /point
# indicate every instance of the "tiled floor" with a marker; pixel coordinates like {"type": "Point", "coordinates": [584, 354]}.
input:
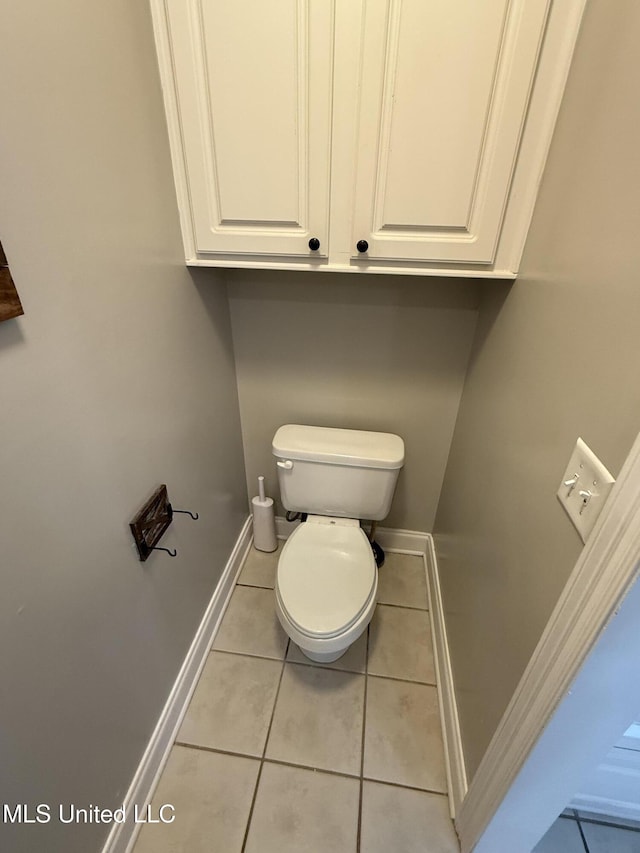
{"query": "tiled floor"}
{"type": "Point", "coordinates": [277, 753]}
{"type": "Point", "coordinates": [580, 832]}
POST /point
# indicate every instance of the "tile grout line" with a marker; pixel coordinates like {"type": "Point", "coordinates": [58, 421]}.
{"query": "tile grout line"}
{"type": "Point", "coordinates": [403, 680]}
{"type": "Point", "coordinates": [364, 723]}
{"type": "Point", "coordinates": [275, 702]}
{"type": "Point", "coordinates": [215, 749]}
{"type": "Point", "coordinates": [278, 761]}
{"type": "Point", "coordinates": [311, 665]}
{"type": "Point", "coordinates": [282, 763]}
{"type": "Point", "coordinates": [402, 606]}
{"type": "Point", "coordinates": [576, 816]}
{"type": "Point", "coordinates": [431, 791]}
{"type": "Point", "coordinates": [340, 773]}
{"type": "Point", "coordinates": [381, 603]}
{"type": "Point", "coordinates": [264, 750]}
{"type": "Point", "coordinates": [580, 830]}
{"type": "Point", "coordinates": [246, 654]}
{"type": "Point", "coordinates": [245, 838]}
{"type": "Point", "coordinates": [330, 668]}
{"type": "Point", "coordinates": [611, 823]}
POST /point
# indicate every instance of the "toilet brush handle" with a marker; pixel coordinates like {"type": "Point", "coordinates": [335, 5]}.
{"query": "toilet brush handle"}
{"type": "Point", "coordinates": [261, 488]}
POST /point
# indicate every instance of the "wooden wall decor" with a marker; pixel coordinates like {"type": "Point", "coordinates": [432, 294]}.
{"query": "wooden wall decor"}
{"type": "Point", "coordinates": [10, 305]}
{"type": "Point", "coordinates": [151, 522]}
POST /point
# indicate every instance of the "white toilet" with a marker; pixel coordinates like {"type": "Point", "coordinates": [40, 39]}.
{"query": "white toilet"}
{"type": "Point", "coordinates": [327, 577]}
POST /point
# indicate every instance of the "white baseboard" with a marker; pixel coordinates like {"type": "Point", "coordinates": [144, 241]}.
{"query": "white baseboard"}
{"type": "Point", "coordinates": [402, 541]}
{"type": "Point", "coordinates": [123, 835]}
{"type": "Point", "coordinates": [453, 754]}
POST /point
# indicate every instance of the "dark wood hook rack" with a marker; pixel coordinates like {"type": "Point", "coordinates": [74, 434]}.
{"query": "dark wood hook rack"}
{"type": "Point", "coordinates": [151, 521]}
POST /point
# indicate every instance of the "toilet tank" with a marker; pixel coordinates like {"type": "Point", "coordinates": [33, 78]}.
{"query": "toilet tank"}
{"type": "Point", "coordinates": [343, 472]}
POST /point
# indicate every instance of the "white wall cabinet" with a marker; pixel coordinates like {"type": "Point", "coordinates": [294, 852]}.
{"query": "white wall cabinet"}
{"type": "Point", "coordinates": [366, 136]}
{"type": "Point", "coordinates": [253, 82]}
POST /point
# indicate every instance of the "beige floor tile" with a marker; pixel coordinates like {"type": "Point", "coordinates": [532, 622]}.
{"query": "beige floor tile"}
{"type": "Point", "coordinates": [232, 704]}
{"type": "Point", "coordinates": [303, 810]}
{"type": "Point", "coordinates": [318, 719]}
{"type": "Point", "coordinates": [402, 581]}
{"type": "Point", "coordinates": [212, 796]}
{"type": "Point", "coordinates": [250, 624]}
{"type": "Point", "coordinates": [403, 740]}
{"type": "Point", "coordinates": [400, 644]}
{"type": "Point", "coordinates": [353, 660]}
{"type": "Point", "coordinates": [607, 839]}
{"type": "Point", "coordinates": [398, 819]}
{"type": "Point", "coordinates": [260, 568]}
{"type": "Point", "coordinates": [564, 837]}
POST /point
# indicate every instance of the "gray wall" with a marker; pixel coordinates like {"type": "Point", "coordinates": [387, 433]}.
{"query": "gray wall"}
{"type": "Point", "coordinates": [376, 352]}
{"type": "Point", "coordinates": [555, 357]}
{"type": "Point", "coordinates": [119, 377]}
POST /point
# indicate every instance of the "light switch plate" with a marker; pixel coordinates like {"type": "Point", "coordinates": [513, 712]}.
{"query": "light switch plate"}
{"type": "Point", "coordinates": [584, 488]}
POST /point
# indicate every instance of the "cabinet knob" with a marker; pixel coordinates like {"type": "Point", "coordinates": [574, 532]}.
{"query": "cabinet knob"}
{"type": "Point", "coordinates": [314, 244]}
{"type": "Point", "coordinates": [362, 246]}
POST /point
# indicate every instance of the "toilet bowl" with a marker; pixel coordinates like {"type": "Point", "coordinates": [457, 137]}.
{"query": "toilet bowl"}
{"type": "Point", "coordinates": [326, 586]}
{"type": "Point", "coordinates": [327, 578]}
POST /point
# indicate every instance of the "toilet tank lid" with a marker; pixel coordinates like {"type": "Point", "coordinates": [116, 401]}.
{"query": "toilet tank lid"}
{"type": "Point", "coordinates": [339, 446]}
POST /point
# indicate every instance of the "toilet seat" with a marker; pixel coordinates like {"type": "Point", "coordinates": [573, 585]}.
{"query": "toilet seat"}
{"type": "Point", "coordinates": [327, 576]}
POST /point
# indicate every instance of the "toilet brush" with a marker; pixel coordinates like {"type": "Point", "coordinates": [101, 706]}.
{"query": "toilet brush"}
{"type": "Point", "coordinates": [264, 522]}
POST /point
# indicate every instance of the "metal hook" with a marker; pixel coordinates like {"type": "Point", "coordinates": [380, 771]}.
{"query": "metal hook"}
{"type": "Point", "coordinates": [173, 553]}
{"type": "Point", "coordinates": [195, 516]}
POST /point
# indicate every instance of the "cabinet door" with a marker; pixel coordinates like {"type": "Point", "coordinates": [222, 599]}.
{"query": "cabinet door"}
{"type": "Point", "coordinates": [253, 85]}
{"type": "Point", "coordinates": [443, 96]}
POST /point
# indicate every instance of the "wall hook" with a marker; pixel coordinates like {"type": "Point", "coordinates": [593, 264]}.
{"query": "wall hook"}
{"type": "Point", "coordinates": [194, 516]}
{"type": "Point", "coordinates": [152, 521]}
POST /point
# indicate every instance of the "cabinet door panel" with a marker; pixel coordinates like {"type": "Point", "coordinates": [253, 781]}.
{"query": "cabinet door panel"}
{"type": "Point", "coordinates": [443, 96]}
{"type": "Point", "coordinates": [254, 92]}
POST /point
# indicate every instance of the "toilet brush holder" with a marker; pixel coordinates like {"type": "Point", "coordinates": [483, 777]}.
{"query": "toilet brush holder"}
{"type": "Point", "coordinates": [264, 521]}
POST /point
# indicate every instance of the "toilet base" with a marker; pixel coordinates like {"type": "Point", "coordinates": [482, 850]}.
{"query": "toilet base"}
{"type": "Point", "coordinates": [323, 657]}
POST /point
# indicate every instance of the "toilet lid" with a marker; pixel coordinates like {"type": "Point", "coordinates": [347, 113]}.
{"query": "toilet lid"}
{"type": "Point", "coordinates": [326, 577]}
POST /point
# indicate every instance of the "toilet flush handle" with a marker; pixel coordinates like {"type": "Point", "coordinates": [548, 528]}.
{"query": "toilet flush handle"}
{"type": "Point", "coordinates": [286, 463]}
